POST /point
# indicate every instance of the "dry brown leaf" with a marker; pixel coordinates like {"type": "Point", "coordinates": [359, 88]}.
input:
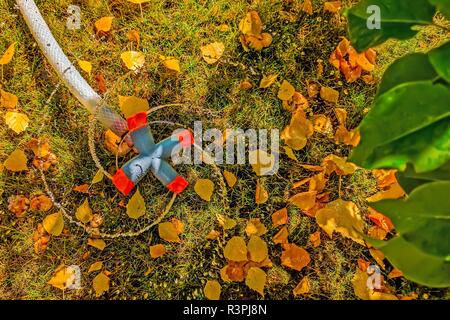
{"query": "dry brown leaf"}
{"type": "Point", "coordinates": [18, 204]}
{"type": "Point", "coordinates": [133, 60]}
{"type": "Point", "coordinates": [280, 217]}
{"type": "Point", "coordinates": [376, 232]}
{"type": "Point", "coordinates": [395, 273]}
{"type": "Point", "coordinates": [294, 257]}
{"type": "Point", "coordinates": [290, 153]}
{"type": "Point", "coordinates": [378, 256]}
{"type": "Point", "coordinates": [170, 63]}
{"type": "Point", "coordinates": [322, 124]}
{"type": "Point", "coordinates": [339, 165]}
{"type": "Point", "coordinates": [251, 24]}
{"type": "Point", "coordinates": [157, 251]}
{"type": "Point", "coordinates": [262, 162]}
{"type": "Point", "coordinates": [395, 191]}
{"type": "Point", "coordinates": [130, 105]}
{"type": "Point", "coordinates": [82, 188]}
{"type": "Point", "coordinates": [204, 188]}
{"type": "Point", "coordinates": [226, 222]}
{"type": "Point", "coordinates": [112, 144]}
{"type": "Point", "coordinates": [307, 7]}
{"type": "Point", "coordinates": [245, 85]}
{"type": "Point", "coordinates": [236, 249]}
{"type": "Point", "coordinates": [212, 290]}
{"type": "Point", "coordinates": [380, 220]}
{"type": "Point", "coordinates": [60, 277]}
{"type": "Point", "coordinates": [212, 235]}
{"type": "Point", "coordinates": [133, 36]}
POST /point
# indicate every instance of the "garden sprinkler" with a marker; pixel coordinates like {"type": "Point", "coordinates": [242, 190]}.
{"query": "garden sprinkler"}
{"type": "Point", "coordinates": [151, 156]}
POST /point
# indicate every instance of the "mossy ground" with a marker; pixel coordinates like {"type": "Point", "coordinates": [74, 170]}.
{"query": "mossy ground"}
{"type": "Point", "coordinates": [211, 95]}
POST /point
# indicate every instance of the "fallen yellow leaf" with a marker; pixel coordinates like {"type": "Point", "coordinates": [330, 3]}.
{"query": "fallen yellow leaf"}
{"type": "Point", "coordinates": [303, 287]}
{"type": "Point", "coordinates": [8, 100]}
{"type": "Point", "coordinates": [133, 60]}
{"type": "Point", "coordinates": [256, 280]}
{"type": "Point", "coordinates": [86, 66]}
{"type": "Point", "coordinates": [100, 284]}
{"type": "Point", "coordinates": [16, 121]}
{"type": "Point", "coordinates": [170, 63]}
{"type": "Point", "coordinates": [168, 232]}
{"type": "Point", "coordinates": [7, 56]}
{"type": "Point", "coordinates": [212, 52]}
{"type": "Point", "coordinates": [204, 188]}
{"type": "Point", "coordinates": [261, 194]}
{"type": "Point", "coordinates": [212, 290]}
{"type": "Point", "coordinates": [103, 24]}
{"type": "Point", "coordinates": [97, 243]}
{"type": "Point", "coordinates": [96, 266]}
{"type": "Point", "coordinates": [17, 161]}
{"type": "Point", "coordinates": [230, 178]}
{"type": "Point", "coordinates": [84, 212]}
{"type": "Point", "coordinates": [236, 249]}
{"type": "Point", "coordinates": [343, 217]}
{"type": "Point", "coordinates": [136, 205]}
{"type": "Point", "coordinates": [54, 223]}
{"type": "Point", "coordinates": [268, 80]}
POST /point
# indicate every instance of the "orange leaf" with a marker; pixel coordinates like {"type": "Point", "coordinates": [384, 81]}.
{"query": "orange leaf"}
{"type": "Point", "coordinates": [380, 220]}
{"type": "Point", "coordinates": [315, 239]}
{"type": "Point", "coordinates": [212, 290]}
{"type": "Point", "coordinates": [294, 257]}
{"type": "Point", "coordinates": [281, 237]}
{"type": "Point", "coordinates": [280, 217]}
{"type": "Point", "coordinates": [332, 6]}
{"type": "Point", "coordinates": [157, 251]}
{"type": "Point", "coordinates": [304, 200]}
{"type": "Point", "coordinates": [261, 194]}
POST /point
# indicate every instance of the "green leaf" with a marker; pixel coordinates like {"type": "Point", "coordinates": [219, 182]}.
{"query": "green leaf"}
{"type": "Point", "coordinates": [421, 250]}
{"type": "Point", "coordinates": [410, 68]}
{"type": "Point", "coordinates": [443, 6]}
{"type": "Point", "coordinates": [397, 19]}
{"type": "Point", "coordinates": [408, 124]}
{"type": "Point", "coordinates": [439, 58]}
{"type": "Point", "coordinates": [409, 179]}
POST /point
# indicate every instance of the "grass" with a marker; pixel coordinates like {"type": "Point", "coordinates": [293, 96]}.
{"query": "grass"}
{"type": "Point", "coordinates": [179, 28]}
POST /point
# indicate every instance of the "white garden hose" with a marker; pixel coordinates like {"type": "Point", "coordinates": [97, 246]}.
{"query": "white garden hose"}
{"type": "Point", "coordinates": [66, 70]}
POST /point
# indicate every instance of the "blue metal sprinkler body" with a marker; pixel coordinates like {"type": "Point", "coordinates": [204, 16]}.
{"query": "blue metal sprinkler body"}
{"type": "Point", "coordinates": [151, 157]}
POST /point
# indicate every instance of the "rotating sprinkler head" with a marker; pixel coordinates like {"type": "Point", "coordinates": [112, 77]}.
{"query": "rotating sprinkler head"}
{"type": "Point", "coordinates": [152, 157]}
